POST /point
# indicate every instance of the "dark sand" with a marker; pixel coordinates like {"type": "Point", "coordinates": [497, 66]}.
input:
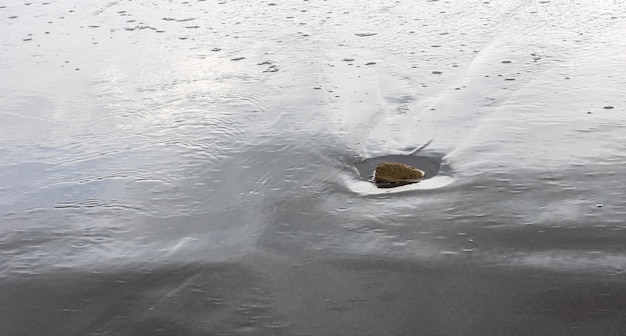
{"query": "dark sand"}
{"type": "Point", "coordinates": [267, 296]}
{"type": "Point", "coordinates": [199, 168]}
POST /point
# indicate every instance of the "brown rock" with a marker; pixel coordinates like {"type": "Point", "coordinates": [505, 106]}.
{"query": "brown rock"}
{"type": "Point", "coordinates": [393, 174]}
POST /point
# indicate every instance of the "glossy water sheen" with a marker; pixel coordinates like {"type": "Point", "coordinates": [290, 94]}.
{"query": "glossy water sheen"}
{"type": "Point", "coordinates": [200, 168]}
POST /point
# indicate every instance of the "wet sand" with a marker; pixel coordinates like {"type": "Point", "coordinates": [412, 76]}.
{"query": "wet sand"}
{"type": "Point", "coordinates": [272, 296]}
{"type": "Point", "coordinates": [200, 168]}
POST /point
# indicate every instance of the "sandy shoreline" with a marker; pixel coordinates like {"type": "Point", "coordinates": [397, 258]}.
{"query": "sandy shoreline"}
{"type": "Point", "coordinates": [200, 168]}
{"type": "Point", "coordinates": [269, 296]}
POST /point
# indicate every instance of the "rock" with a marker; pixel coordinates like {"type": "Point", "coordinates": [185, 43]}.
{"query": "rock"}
{"type": "Point", "coordinates": [393, 174]}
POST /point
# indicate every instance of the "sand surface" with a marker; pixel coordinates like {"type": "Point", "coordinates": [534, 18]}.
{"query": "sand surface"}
{"type": "Point", "coordinates": [200, 167]}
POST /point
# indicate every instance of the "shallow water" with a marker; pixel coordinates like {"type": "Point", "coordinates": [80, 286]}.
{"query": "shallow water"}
{"type": "Point", "coordinates": [201, 168]}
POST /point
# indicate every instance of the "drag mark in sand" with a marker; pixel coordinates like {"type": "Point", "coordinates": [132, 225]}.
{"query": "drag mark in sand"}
{"type": "Point", "coordinates": [107, 6]}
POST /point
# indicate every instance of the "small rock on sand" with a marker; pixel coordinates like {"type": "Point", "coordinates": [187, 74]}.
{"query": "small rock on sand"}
{"type": "Point", "coordinates": [393, 174]}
